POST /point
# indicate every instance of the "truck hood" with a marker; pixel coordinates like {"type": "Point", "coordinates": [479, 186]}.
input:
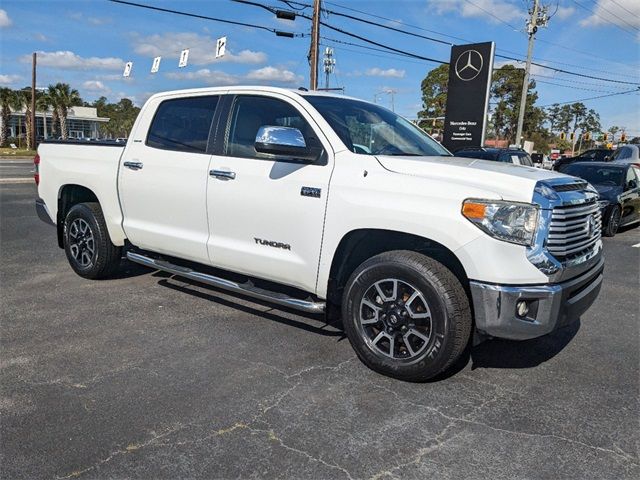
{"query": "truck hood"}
{"type": "Point", "coordinates": [510, 182]}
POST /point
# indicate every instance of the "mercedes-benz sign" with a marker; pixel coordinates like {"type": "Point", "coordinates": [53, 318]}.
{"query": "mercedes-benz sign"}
{"type": "Point", "coordinates": [468, 95]}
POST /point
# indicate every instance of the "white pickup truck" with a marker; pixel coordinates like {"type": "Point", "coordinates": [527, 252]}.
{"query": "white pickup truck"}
{"type": "Point", "coordinates": [316, 202]}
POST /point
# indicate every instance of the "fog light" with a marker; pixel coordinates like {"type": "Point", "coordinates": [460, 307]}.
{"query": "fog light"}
{"type": "Point", "coordinates": [522, 308]}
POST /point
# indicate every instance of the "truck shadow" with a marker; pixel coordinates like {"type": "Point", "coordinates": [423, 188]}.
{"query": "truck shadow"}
{"type": "Point", "coordinates": [522, 354]}
{"type": "Point", "coordinates": [494, 353]}
{"type": "Point", "coordinates": [328, 329]}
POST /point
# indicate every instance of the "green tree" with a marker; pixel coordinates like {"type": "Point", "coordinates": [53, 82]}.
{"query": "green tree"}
{"type": "Point", "coordinates": [434, 95]}
{"type": "Point", "coordinates": [6, 97]}
{"type": "Point", "coordinates": [506, 90]}
{"type": "Point", "coordinates": [43, 103]}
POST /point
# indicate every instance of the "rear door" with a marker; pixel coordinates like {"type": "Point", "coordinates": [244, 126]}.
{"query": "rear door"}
{"type": "Point", "coordinates": [163, 178]}
{"type": "Point", "coordinates": [266, 213]}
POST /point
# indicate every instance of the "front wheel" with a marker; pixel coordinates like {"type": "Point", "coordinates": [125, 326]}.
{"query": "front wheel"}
{"type": "Point", "coordinates": [406, 315]}
{"type": "Point", "coordinates": [612, 221]}
{"type": "Point", "coordinates": [87, 243]}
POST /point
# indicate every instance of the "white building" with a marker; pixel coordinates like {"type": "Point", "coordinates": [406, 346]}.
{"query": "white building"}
{"type": "Point", "coordinates": [82, 122]}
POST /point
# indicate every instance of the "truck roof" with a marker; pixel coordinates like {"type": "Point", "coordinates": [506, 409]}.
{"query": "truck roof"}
{"type": "Point", "coordinates": [261, 88]}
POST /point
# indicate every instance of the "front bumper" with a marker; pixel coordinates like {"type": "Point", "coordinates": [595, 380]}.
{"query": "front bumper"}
{"type": "Point", "coordinates": [549, 306]}
{"type": "Point", "coordinates": [43, 212]}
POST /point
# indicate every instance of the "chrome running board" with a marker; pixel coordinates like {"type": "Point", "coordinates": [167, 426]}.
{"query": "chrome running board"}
{"type": "Point", "coordinates": [246, 288]}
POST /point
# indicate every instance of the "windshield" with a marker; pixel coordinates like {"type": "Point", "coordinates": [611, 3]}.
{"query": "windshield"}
{"type": "Point", "coordinates": [368, 129]}
{"type": "Point", "coordinates": [596, 175]}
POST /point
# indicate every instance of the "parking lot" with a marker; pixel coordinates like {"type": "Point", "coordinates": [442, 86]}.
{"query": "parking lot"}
{"type": "Point", "coordinates": [147, 376]}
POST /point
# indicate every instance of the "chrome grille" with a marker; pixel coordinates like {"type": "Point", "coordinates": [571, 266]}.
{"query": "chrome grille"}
{"type": "Point", "coordinates": [574, 230]}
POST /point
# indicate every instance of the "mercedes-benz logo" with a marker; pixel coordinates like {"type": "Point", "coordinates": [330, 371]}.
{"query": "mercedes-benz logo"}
{"type": "Point", "coordinates": [469, 65]}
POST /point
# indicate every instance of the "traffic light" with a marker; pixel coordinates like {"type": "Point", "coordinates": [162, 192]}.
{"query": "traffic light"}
{"type": "Point", "coordinates": [604, 137]}
{"type": "Point", "coordinates": [572, 136]}
{"type": "Point", "coordinates": [563, 136]}
{"type": "Point", "coordinates": [623, 137]}
{"type": "Point", "coordinates": [587, 136]}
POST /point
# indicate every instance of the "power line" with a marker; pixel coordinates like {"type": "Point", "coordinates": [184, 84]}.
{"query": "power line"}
{"type": "Point", "coordinates": [589, 54]}
{"type": "Point", "coordinates": [205, 17]}
{"type": "Point", "coordinates": [624, 8]}
{"type": "Point", "coordinates": [603, 19]}
{"type": "Point", "coordinates": [577, 82]}
{"type": "Point", "coordinates": [635, 90]}
{"type": "Point", "coordinates": [619, 18]}
{"type": "Point", "coordinates": [572, 86]}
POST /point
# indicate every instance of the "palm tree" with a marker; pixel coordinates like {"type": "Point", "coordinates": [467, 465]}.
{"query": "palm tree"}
{"type": "Point", "coordinates": [6, 95]}
{"type": "Point", "coordinates": [65, 97]}
{"type": "Point", "coordinates": [43, 103]}
{"type": "Point", "coordinates": [55, 119]}
{"type": "Point", "coordinates": [21, 100]}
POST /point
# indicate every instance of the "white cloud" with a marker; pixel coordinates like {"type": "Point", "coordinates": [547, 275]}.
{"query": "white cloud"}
{"type": "Point", "coordinates": [265, 75]}
{"type": "Point", "coordinates": [96, 86]}
{"type": "Point", "coordinates": [490, 10]}
{"type": "Point", "coordinates": [202, 49]}
{"type": "Point", "coordinates": [274, 75]}
{"type": "Point", "coordinates": [92, 20]}
{"type": "Point", "coordinates": [565, 12]}
{"type": "Point", "coordinates": [7, 80]}
{"type": "Point", "coordinates": [389, 73]}
{"type": "Point", "coordinates": [5, 21]}
{"type": "Point", "coordinates": [624, 13]}
{"type": "Point", "coordinates": [210, 77]}
{"type": "Point", "coordinates": [67, 60]}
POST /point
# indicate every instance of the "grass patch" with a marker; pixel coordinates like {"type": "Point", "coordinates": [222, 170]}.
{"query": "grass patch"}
{"type": "Point", "coordinates": [16, 152]}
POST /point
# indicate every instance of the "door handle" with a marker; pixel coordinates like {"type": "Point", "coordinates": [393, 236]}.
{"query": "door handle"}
{"type": "Point", "coordinates": [133, 165]}
{"type": "Point", "coordinates": [223, 174]}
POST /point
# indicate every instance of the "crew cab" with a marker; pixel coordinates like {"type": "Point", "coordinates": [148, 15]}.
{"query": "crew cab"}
{"type": "Point", "coordinates": [326, 203]}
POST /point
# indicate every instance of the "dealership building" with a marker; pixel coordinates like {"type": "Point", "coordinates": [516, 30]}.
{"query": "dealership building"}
{"type": "Point", "coordinates": [82, 122]}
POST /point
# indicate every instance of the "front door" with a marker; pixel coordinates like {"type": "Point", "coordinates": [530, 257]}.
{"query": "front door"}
{"type": "Point", "coordinates": [266, 214]}
{"type": "Point", "coordinates": [164, 178]}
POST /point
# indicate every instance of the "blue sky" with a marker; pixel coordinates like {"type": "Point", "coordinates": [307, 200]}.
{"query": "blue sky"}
{"type": "Point", "coordinates": [86, 43]}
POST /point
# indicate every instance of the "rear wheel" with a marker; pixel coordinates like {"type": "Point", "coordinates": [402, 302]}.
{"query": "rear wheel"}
{"type": "Point", "coordinates": [613, 221]}
{"type": "Point", "coordinates": [406, 315]}
{"type": "Point", "coordinates": [87, 243]}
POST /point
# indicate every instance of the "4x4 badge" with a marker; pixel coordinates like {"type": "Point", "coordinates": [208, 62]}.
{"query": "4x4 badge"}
{"type": "Point", "coordinates": [310, 192]}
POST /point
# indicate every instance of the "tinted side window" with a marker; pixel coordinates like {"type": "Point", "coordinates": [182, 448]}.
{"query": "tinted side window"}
{"type": "Point", "coordinates": [252, 112]}
{"type": "Point", "coordinates": [625, 152]}
{"type": "Point", "coordinates": [183, 124]}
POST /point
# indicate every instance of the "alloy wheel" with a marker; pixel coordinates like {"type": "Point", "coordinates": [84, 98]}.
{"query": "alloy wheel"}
{"type": "Point", "coordinates": [395, 319]}
{"type": "Point", "coordinates": [81, 242]}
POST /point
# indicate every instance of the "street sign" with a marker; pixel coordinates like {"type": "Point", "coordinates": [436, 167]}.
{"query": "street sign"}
{"type": "Point", "coordinates": [127, 69]}
{"type": "Point", "coordinates": [470, 70]}
{"type": "Point", "coordinates": [156, 65]}
{"type": "Point", "coordinates": [221, 46]}
{"type": "Point", "coordinates": [184, 57]}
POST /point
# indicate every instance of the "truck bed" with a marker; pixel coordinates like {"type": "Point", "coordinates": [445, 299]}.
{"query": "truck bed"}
{"type": "Point", "coordinates": [94, 165]}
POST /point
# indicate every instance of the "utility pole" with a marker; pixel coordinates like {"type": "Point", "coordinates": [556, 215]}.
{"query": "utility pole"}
{"type": "Point", "coordinates": [392, 92]}
{"type": "Point", "coordinates": [33, 103]}
{"type": "Point", "coordinates": [315, 40]}
{"type": "Point", "coordinates": [329, 64]}
{"type": "Point", "coordinates": [538, 18]}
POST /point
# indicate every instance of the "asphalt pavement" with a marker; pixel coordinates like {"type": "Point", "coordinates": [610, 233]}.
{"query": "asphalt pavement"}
{"type": "Point", "coordinates": [16, 170]}
{"type": "Point", "coordinates": [148, 376]}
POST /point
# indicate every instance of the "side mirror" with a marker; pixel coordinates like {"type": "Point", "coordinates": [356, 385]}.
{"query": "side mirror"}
{"type": "Point", "coordinates": [282, 141]}
{"type": "Point", "coordinates": [607, 158]}
{"type": "Point", "coordinates": [632, 184]}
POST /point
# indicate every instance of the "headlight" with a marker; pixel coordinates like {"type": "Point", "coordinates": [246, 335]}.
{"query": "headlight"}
{"type": "Point", "coordinates": [507, 221]}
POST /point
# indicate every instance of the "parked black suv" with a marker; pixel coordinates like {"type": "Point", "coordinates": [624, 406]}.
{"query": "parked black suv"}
{"type": "Point", "coordinates": [507, 155]}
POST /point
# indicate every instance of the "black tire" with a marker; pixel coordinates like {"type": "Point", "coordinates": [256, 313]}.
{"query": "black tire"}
{"type": "Point", "coordinates": [444, 299]}
{"type": "Point", "coordinates": [612, 222]}
{"type": "Point", "coordinates": [87, 243]}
